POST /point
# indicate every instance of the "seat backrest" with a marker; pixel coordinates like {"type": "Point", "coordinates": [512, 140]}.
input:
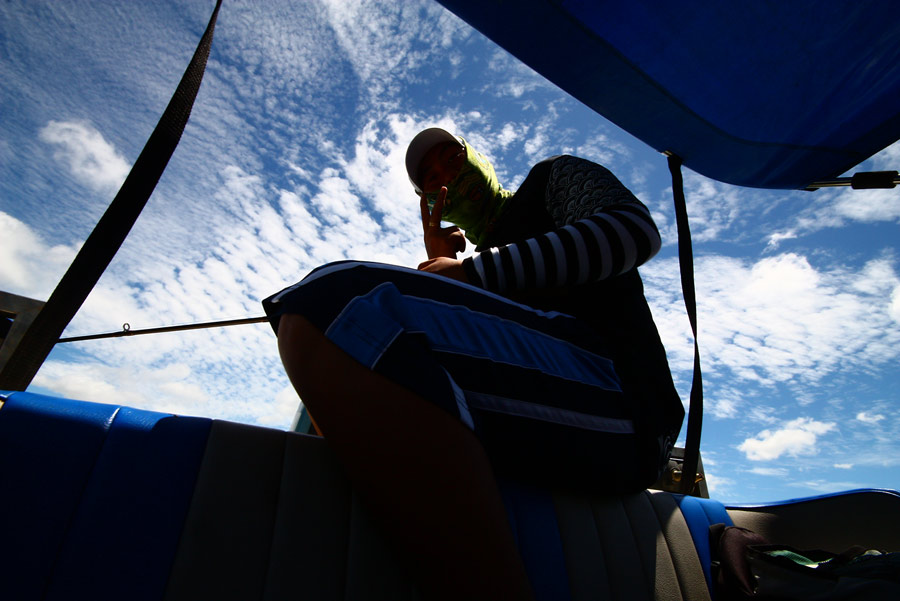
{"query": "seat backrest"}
{"type": "Point", "coordinates": [107, 502]}
{"type": "Point", "coordinates": [94, 497]}
{"type": "Point", "coordinates": [636, 547]}
{"type": "Point", "coordinates": [273, 515]}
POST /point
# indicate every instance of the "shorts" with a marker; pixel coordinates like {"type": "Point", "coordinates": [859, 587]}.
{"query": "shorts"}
{"type": "Point", "coordinates": [536, 387]}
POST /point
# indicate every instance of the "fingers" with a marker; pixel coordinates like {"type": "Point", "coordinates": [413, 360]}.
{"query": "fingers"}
{"type": "Point", "coordinates": [439, 241]}
{"type": "Point", "coordinates": [459, 240]}
{"type": "Point", "coordinates": [438, 211]}
{"type": "Point", "coordinates": [426, 215]}
{"type": "Point", "coordinates": [432, 218]}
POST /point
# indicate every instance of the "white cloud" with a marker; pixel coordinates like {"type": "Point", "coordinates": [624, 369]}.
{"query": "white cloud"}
{"type": "Point", "coordinates": [796, 437]}
{"type": "Point", "coordinates": [722, 407]}
{"type": "Point", "coordinates": [775, 472]}
{"type": "Point", "coordinates": [894, 310]}
{"type": "Point", "coordinates": [512, 80]}
{"type": "Point", "coordinates": [171, 388]}
{"type": "Point", "coordinates": [510, 133]}
{"type": "Point", "coordinates": [719, 486]}
{"type": "Point", "coordinates": [29, 266]}
{"type": "Point", "coordinates": [843, 466]}
{"type": "Point", "coordinates": [164, 389]}
{"type": "Point", "coordinates": [824, 486]}
{"type": "Point", "coordinates": [392, 40]}
{"type": "Point", "coordinates": [535, 145]}
{"type": "Point", "coordinates": [286, 403]}
{"type": "Point", "coordinates": [775, 239]}
{"type": "Point", "coordinates": [89, 157]}
{"type": "Point", "coordinates": [833, 208]}
{"type": "Point", "coordinates": [712, 207]}
{"type": "Point", "coordinates": [867, 206]}
{"type": "Point", "coordinates": [778, 319]}
{"type": "Point", "coordinates": [544, 137]}
{"type": "Point", "coordinates": [600, 148]}
{"type": "Point", "coordinates": [869, 419]}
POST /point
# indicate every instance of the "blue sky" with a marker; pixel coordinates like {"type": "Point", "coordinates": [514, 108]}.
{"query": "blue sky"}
{"type": "Point", "coordinates": [294, 157]}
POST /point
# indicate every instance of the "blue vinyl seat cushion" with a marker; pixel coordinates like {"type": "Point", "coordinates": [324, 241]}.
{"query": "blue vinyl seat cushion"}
{"type": "Point", "coordinates": [100, 496]}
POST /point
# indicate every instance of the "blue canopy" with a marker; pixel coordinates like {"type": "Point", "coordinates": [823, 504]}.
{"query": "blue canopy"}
{"type": "Point", "coordinates": [763, 94]}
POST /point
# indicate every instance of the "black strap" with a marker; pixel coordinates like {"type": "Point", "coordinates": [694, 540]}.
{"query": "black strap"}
{"type": "Point", "coordinates": [103, 243]}
{"type": "Point", "coordinates": [686, 262]}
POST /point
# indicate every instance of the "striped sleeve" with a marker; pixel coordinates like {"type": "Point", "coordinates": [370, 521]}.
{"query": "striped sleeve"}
{"type": "Point", "coordinates": [609, 242]}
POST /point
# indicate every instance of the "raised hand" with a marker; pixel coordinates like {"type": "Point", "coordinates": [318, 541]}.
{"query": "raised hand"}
{"type": "Point", "coordinates": [440, 241]}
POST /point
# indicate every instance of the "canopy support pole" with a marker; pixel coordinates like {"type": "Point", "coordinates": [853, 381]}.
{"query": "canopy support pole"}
{"type": "Point", "coordinates": [864, 180]}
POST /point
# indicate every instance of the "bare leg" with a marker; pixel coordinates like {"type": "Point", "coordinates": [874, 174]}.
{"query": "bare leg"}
{"type": "Point", "coordinates": [423, 474]}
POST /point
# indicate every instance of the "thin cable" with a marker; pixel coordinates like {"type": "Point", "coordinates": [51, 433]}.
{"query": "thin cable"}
{"type": "Point", "coordinates": [127, 331]}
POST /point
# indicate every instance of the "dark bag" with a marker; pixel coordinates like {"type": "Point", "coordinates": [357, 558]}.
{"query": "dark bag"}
{"type": "Point", "coordinates": [746, 566]}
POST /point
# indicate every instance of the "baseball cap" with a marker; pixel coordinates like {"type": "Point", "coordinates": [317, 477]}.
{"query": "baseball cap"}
{"type": "Point", "coordinates": [424, 141]}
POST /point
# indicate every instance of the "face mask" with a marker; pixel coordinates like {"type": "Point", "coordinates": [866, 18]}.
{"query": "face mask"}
{"type": "Point", "coordinates": [474, 197]}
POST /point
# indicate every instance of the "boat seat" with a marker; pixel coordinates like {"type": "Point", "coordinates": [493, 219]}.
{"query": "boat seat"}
{"type": "Point", "coordinates": [106, 502]}
{"type": "Point", "coordinates": [833, 522]}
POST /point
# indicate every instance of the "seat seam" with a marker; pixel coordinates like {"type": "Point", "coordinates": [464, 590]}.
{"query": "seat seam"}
{"type": "Point", "coordinates": [603, 550]}
{"type": "Point", "coordinates": [73, 515]}
{"type": "Point", "coordinates": [267, 576]}
{"type": "Point", "coordinates": [651, 587]}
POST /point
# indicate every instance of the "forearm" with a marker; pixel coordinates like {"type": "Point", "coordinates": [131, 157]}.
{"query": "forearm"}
{"type": "Point", "coordinates": [606, 244]}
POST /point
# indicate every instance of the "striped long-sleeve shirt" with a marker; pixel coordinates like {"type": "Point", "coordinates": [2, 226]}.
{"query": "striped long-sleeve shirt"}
{"type": "Point", "coordinates": [602, 231]}
{"type": "Point", "coordinates": [573, 224]}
